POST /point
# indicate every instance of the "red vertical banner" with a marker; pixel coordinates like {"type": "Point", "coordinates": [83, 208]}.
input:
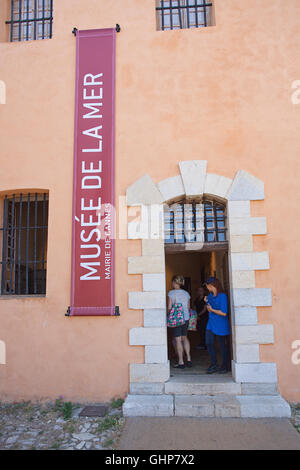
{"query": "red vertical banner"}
{"type": "Point", "coordinates": [93, 224]}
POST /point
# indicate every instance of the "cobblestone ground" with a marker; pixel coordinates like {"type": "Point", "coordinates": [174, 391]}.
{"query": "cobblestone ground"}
{"type": "Point", "coordinates": [27, 426]}
{"type": "Point", "coordinates": [296, 416]}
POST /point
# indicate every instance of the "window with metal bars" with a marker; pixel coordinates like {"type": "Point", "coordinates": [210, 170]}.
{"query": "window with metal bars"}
{"type": "Point", "coordinates": [31, 20]}
{"type": "Point", "coordinates": [24, 244]}
{"type": "Point", "coordinates": [179, 14]}
{"type": "Point", "coordinates": [203, 222]}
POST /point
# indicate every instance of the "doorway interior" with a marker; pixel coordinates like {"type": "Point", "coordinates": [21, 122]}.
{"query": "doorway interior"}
{"type": "Point", "coordinates": [196, 267]}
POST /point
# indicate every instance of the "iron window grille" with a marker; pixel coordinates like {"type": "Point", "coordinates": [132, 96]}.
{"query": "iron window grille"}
{"type": "Point", "coordinates": [24, 244]}
{"type": "Point", "coordinates": [179, 14]}
{"type": "Point", "coordinates": [203, 222]}
{"type": "Point", "coordinates": [31, 20]}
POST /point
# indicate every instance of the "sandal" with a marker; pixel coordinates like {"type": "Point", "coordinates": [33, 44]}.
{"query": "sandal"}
{"type": "Point", "coordinates": [189, 364]}
{"type": "Point", "coordinates": [179, 366]}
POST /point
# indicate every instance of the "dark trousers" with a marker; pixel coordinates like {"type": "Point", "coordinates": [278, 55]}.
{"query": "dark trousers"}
{"type": "Point", "coordinates": [222, 342]}
{"type": "Point", "coordinates": [201, 327]}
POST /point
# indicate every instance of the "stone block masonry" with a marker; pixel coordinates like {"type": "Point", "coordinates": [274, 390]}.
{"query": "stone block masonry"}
{"type": "Point", "coordinates": [249, 373]}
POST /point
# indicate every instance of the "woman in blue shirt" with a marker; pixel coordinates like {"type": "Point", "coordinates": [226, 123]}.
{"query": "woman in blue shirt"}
{"type": "Point", "coordinates": [217, 326]}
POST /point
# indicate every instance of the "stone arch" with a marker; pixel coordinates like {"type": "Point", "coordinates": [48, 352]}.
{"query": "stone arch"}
{"type": "Point", "coordinates": [194, 181]}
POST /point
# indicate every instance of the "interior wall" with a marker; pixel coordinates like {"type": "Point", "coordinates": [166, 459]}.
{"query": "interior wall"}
{"type": "Point", "coordinates": [221, 268]}
{"type": "Point", "coordinates": [197, 266]}
{"type": "Point", "coordinates": [193, 265]}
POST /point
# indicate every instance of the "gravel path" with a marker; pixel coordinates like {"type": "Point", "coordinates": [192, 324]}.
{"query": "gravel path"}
{"type": "Point", "coordinates": [27, 426]}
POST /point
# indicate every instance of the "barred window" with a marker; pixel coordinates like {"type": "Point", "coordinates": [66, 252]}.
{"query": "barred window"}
{"type": "Point", "coordinates": [203, 222]}
{"type": "Point", "coordinates": [30, 20]}
{"type": "Point", "coordinates": [179, 14]}
{"type": "Point", "coordinates": [24, 244]}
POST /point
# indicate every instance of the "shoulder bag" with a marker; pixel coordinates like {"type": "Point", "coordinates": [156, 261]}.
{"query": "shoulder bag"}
{"type": "Point", "coordinates": [176, 315]}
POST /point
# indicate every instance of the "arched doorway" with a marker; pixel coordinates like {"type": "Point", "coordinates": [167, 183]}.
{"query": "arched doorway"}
{"type": "Point", "coordinates": [196, 246]}
{"type": "Point", "coordinates": [151, 390]}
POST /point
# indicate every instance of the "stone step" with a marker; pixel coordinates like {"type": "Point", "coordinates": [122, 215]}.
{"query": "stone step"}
{"type": "Point", "coordinates": [204, 406]}
{"type": "Point", "coordinates": [148, 405]}
{"type": "Point", "coordinates": [264, 406]}
{"type": "Point", "coordinates": [207, 406]}
{"type": "Point", "coordinates": [202, 385]}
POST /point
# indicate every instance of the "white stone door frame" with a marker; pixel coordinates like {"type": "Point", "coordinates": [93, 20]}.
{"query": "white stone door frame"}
{"type": "Point", "coordinates": [194, 182]}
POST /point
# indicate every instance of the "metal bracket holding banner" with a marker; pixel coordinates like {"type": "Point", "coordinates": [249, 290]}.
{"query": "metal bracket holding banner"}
{"type": "Point", "coordinates": [118, 29]}
{"type": "Point", "coordinates": [117, 311]}
{"type": "Point", "coordinates": [93, 220]}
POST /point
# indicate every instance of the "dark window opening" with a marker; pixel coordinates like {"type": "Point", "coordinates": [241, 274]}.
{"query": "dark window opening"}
{"type": "Point", "coordinates": [24, 244]}
{"type": "Point", "coordinates": [31, 20]}
{"type": "Point", "coordinates": [180, 14]}
{"type": "Point", "coordinates": [203, 222]}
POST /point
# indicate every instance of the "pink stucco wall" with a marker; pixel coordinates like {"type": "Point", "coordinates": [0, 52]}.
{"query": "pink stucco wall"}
{"type": "Point", "coordinates": [222, 94]}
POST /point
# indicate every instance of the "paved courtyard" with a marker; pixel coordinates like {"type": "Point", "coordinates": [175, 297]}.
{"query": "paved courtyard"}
{"type": "Point", "coordinates": [209, 434]}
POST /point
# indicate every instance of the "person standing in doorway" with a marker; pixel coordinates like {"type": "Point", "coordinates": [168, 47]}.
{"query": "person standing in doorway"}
{"type": "Point", "coordinates": [217, 326]}
{"type": "Point", "coordinates": [202, 316]}
{"type": "Point", "coordinates": [179, 295]}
